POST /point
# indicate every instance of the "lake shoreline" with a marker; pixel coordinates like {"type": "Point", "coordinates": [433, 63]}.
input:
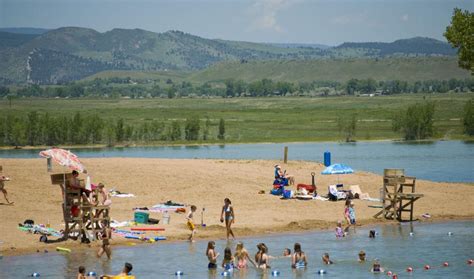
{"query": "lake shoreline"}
{"type": "Point", "coordinates": [399, 140]}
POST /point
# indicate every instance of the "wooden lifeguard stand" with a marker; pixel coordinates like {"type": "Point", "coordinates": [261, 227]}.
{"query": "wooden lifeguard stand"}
{"type": "Point", "coordinates": [398, 195]}
{"type": "Point", "coordinates": [80, 216]}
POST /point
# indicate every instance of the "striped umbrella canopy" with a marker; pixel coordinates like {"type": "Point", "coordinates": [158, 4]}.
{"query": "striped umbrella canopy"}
{"type": "Point", "coordinates": [65, 158]}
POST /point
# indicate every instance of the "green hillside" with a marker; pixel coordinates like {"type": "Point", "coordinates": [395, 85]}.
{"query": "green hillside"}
{"type": "Point", "coordinates": [71, 53]}
{"type": "Point", "coordinates": [407, 69]}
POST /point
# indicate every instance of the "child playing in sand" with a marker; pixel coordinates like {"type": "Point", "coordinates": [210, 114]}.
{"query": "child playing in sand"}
{"type": "Point", "coordinates": [326, 259]}
{"type": "Point", "coordinates": [242, 256]}
{"type": "Point", "coordinates": [190, 222]}
{"type": "Point", "coordinates": [212, 255]}
{"type": "Point", "coordinates": [82, 273]}
{"type": "Point", "coordinates": [228, 213]}
{"type": "Point", "coordinates": [339, 230]}
{"type": "Point", "coordinates": [361, 256]}
{"type": "Point", "coordinates": [228, 261]}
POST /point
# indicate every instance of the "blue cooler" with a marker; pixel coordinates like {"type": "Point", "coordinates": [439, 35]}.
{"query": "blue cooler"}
{"type": "Point", "coordinates": [141, 217]}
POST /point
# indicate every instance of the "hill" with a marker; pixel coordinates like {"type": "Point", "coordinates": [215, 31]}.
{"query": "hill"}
{"type": "Point", "coordinates": [24, 30]}
{"type": "Point", "coordinates": [393, 68]}
{"type": "Point", "coordinates": [71, 53]}
{"type": "Point", "coordinates": [413, 46]}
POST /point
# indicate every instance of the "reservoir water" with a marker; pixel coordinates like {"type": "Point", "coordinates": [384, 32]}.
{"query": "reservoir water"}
{"type": "Point", "coordinates": [395, 247]}
{"type": "Point", "coordinates": [451, 161]}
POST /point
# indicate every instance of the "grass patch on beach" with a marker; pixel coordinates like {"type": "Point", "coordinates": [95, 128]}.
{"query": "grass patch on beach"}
{"type": "Point", "coordinates": [264, 119]}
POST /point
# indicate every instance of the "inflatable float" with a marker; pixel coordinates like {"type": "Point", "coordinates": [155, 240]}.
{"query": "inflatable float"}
{"type": "Point", "coordinates": [62, 249]}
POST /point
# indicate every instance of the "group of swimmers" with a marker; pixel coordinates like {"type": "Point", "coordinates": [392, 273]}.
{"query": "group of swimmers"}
{"type": "Point", "coordinates": [127, 268]}
{"type": "Point", "coordinates": [241, 258]}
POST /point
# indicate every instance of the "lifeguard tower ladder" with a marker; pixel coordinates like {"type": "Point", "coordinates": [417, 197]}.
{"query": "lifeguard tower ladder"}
{"type": "Point", "coordinates": [398, 195]}
{"type": "Point", "coordinates": [80, 215]}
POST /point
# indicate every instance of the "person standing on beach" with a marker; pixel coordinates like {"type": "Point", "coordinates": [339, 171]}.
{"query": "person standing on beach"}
{"type": "Point", "coordinates": [2, 188]}
{"type": "Point", "coordinates": [227, 214]}
{"type": "Point", "coordinates": [106, 235]}
{"type": "Point", "coordinates": [190, 222]}
{"type": "Point", "coordinates": [346, 214]}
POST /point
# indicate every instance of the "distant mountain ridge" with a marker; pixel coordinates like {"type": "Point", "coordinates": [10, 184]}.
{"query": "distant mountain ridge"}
{"type": "Point", "coordinates": [25, 30]}
{"type": "Point", "coordinates": [71, 53]}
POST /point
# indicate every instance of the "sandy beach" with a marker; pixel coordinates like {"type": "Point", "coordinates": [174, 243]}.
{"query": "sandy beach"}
{"type": "Point", "coordinates": [205, 183]}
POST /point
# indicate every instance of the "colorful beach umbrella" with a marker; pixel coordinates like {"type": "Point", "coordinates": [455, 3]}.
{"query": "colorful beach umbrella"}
{"type": "Point", "coordinates": [65, 158]}
{"type": "Point", "coordinates": [337, 169]}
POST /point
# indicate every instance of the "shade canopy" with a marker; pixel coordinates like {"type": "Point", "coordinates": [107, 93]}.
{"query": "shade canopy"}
{"type": "Point", "coordinates": [64, 158]}
{"type": "Point", "coordinates": [337, 169]}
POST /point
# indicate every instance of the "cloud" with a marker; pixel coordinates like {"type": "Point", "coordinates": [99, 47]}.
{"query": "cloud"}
{"type": "Point", "coordinates": [265, 13]}
{"type": "Point", "coordinates": [404, 17]}
{"type": "Point", "coordinates": [350, 19]}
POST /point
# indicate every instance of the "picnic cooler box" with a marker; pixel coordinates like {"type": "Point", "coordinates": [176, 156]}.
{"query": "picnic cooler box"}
{"type": "Point", "coordinates": [141, 217]}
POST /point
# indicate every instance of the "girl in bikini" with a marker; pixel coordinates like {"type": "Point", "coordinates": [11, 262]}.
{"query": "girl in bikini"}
{"type": "Point", "coordinates": [242, 256]}
{"type": "Point", "coordinates": [229, 217]}
{"type": "Point", "coordinates": [262, 260]}
{"type": "Point", "coordinates": [228, 261]}
{"type": "Point", "coordinates": [298, 259]}
{"type": "Point", "coordinates": [212, 255]}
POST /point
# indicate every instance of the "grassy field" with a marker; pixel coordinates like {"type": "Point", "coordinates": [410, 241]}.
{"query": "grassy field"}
{"type": "Point", "coordinates": [406, 69]}
{"type": "Point", "coordinates": [265, 119]}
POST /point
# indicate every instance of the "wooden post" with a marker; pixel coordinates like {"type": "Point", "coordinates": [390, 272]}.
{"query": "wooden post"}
{"type": "Point", "coordinates": [285, 156]}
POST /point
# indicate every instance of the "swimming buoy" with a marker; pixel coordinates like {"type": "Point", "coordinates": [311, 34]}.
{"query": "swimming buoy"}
{"type": "Point", "coordinates": [226, 273]}
{"type": "Point", "coordinates": [427, 267]}
{"type": "Point", "coordinates": [36, 274]}
{"type": "Point", "coordinates": [412, 234]}
{"type": "Point", "coordinates": [321, 271]}
{"type": "Point", "coordinates": [275, 273]}
{"type": "Point", "coordinates": [92, 274]}
{"type": "Point", "coordinates": [178, 273]}
{"type": "Point", "coordinates": [470, 261]}
{"type": "Point", "coordinates": [147, 229]}
{"type": "Point", "coordinates": [445, 264]}
{"type": "Point", "coordinates": [62, 249]}
{"type": "Point", "coordinates": [450, 233]}
{"type": "Point", "coordinates": [409, 269]}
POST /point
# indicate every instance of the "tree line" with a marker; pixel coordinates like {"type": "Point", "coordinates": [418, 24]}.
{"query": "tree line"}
{"type": "Point", "coordinates": [126, 87]}
{"type": "Point", "coordinates": [44, 129]}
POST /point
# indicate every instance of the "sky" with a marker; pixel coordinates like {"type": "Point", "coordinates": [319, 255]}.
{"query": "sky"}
{"type": "Point", "coordinates": [329, 22]}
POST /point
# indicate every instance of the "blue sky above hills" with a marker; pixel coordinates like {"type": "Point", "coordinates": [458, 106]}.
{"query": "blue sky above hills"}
{"type": "Point", "coordinates": [281, 21]}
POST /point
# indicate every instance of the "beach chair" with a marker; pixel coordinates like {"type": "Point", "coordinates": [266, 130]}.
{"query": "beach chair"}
{"type": "Point", "coordinates": [334, 194]}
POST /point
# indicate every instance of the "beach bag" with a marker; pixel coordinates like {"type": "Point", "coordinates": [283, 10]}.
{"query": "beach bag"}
{"type": "Point", "coordinates": [277, 192]}
{"type": "Point", "coordinates": [287, 194]}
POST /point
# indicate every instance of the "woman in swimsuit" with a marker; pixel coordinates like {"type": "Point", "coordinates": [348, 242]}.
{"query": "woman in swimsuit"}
{"type": "Point", "coordinates": [298, 259]}
{"type": "Point", "coordinates": [229, 217]}
{"type": "Point", "coordinates": [212, 255]}
{"type": "Point", "coordinates": [228, 261]}
{"type": "Point", "coordinates": [242, 256]}
{"type": "Point", "coordinates": [262, 260]}
{"type": "Point", "coordinates": [106, 235]}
